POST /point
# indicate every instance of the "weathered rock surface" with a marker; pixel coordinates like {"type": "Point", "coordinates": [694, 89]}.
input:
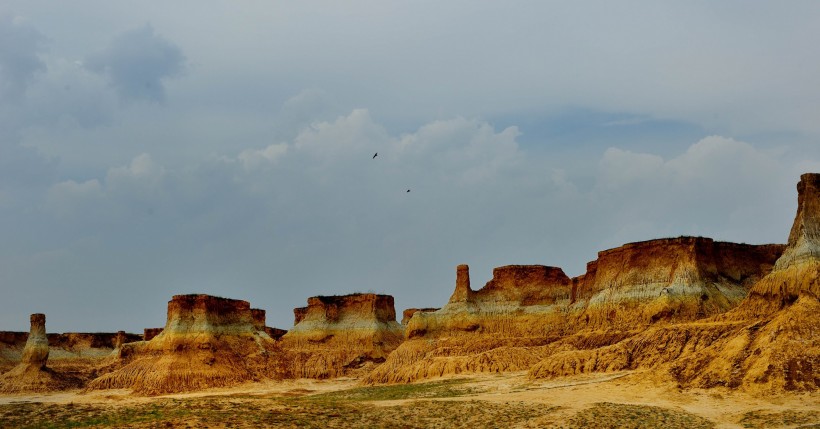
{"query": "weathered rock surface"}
{"type": "Point", "coordinates": [779, 345]}
{"type": "Point", "coordinates": [677, 279]}
{"type": "Point", "coordinates": [207, 342]}
{"type": "Point", "coordinates": [529, 313]}
{"type": "Point", "coordinates": [341, 335]}
{"type": "Point", "coordinates": [408, 313]}
{"type": "Point", "coordinates": [769, 342]}
{"type": "Point", "coordinates": [32, 374]}
{"type": "Point", "coordinates": [150, 333]}
{"type": "Point", "coordinates": [500, 327]}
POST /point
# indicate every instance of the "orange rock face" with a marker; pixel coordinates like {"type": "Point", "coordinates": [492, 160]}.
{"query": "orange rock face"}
{"type": "Point", "coordinates": [527, 313]}
{"type": "Point", "coordinates": [341, 335]}
{"type": "Point", "coordinates": [676, 279]}
{"type": "Point", "coordinates": [150, 333]}
{"type": "Point", "coordinates": [207, 342]}
{"type": "Point", "coordinates": [778, 346]}
{"type": "Point", "coordinates": [769, 342]}
{"type": "Point", "coordinates": [408, 313]}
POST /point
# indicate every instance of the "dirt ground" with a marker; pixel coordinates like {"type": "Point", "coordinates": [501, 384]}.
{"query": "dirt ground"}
{"type": "Point", "coordinates": [622, 400]}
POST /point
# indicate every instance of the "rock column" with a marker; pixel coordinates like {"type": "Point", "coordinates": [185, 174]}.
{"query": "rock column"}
{"type": "Point", "coordinates": [463, 291]}
{"type": "Point", "coordinates": [35, 352]}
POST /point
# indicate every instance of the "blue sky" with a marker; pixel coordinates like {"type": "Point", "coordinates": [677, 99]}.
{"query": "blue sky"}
{"type": "Point", "coordinates": [158, 149]}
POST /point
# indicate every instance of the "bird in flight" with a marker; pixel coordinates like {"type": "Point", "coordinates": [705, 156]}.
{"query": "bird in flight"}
{"type": "Point", "coordinates": [375, 155]}
{"type": "Point", "coordinates": [408, 190]}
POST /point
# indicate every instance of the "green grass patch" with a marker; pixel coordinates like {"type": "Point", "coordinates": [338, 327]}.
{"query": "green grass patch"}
{"type": "Point", "coordinates": [436, 389]}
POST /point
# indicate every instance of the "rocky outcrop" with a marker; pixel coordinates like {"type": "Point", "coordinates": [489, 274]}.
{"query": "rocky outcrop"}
{"type": "Point", "coordinates": [150, 333]}
{"type": "Point", "coordinates": [677, 279]}
{"type": "Point", "coordinates": [769, 342]}
{"type": "Point", "coordinates": [528, 314]}
{"type": "Point", "coordinates": [32, 375]}
{"type": "Point", "coordinates": [779, 345]}
{"type": "Point", "coordinates": [408, 313]}
{"type": "Point", "coordinates": [275, 333]}
{"type": "Point", "coordinates": [341, 335]}
{"type": "Point", "coordinates": [207, 342]}
{"type": "Point", "coordinates": [500, 327]}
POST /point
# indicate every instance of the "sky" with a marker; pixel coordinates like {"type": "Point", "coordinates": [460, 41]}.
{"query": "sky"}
{"type": "Point", "coordinates": [151, 149]}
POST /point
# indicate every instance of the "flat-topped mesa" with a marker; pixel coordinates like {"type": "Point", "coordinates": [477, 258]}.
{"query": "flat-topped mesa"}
{"type": "Point", "coordinates": [341, 335]}
{"type": "Point", "coordinates": [496, 328]}
{"type": "Point", "coordinates": [522, 284]}
{"type": "Point", "coordinates": [527, 285]}
{"type": "Point", "coordinates": [200, 313]}
{"type": "Point", "coordinates": [681, 278]}
{"type": "Point", "coordinates": [207, 342]}
{"type": "Point", "coordinates": [515, 293]}
{"type": "Point", "coordinates": [770, 341]}
{"type": "Point", "coordinates": [32, 375]}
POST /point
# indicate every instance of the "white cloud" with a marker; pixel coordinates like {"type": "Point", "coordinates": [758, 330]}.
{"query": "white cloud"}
{"type": "Point", "coordinates": [621, 168]}
{"type": "Point", "coordinates": [254, 158]}
{"type": "Point", "coordinates": [142, 172]}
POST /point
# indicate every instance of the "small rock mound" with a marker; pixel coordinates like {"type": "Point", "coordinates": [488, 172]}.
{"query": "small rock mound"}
{"type": "Point", "coordinates": [341, 335]}
{"type": "Point", "coordinates": [32, 374]}
{"type": "Point", "coordinates": [207, 342]}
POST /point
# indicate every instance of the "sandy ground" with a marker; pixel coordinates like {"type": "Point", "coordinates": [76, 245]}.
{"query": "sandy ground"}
{"type": "Point", "coordinates": [566, 402]}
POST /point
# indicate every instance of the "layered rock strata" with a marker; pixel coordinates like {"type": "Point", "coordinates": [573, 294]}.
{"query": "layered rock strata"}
{"type": "Point", "coordinates": [207, 342]}
{"type": "Point", "coordinates": [778, 346]}
{"type": "Point", "coordinates": [32, 374]}
{"type": "Point", "coordinates": [677, 279]}
{"type": "Point", "coordinates": [341, 335]}
{"type": "Point", "coordinates": [769, 342]}
{"type": "Point", "coordinates": [500, 327]}
{"type": "Point", "coordinates": [408, 313]}
{"type": "Point", "coordinates": [150, 333]}
{"type": "Point", "coordinates": [527, 313]}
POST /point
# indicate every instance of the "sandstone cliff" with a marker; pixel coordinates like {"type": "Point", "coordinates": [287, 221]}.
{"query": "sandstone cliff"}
{"type": "Point", "coordinates": [529, 313]}
{"type": "Point", "coordinates": [500, 327]}
{"type": "Point", "coordinates": [32, 374]}
{"type": "Point", "coordinates": [207, 342]}
{"type": "Point", "coordinates": [779, 344]}
{"type": "Point", "coordinates": [408, 313]}
{"type": "Point", "coordinates": [678, 279]}
{"type": "Point", "coordinates": [341, 335]}
{"type": "Point", "coordinates": [770, 341]}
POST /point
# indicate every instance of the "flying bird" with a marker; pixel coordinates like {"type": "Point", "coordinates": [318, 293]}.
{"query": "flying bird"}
{"type": "Point", "coordinates": [375, 155]}
{"type": "Point", "coordinates": [408, 190]}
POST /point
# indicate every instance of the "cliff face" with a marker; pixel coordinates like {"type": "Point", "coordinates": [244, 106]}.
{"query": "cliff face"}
{"type": "Point", "coordinates": [527, 314]}
{"type": "Point", "coordinates": [500, 327]}
{"type": "Point", "coordinates": [32, 375]}
{"type": "Point", "coordinates": [676, 279]}
{"type": "Point", "coordinates": [341, 335]}
{"type": "Point", "coordinates": [408, 313]}
{"type": "Point", "coordinates": [769, 342]}
{"type": "Point", "coordinates": [207, 342]}
{"type": "Point", "coordinates": [779, 346]}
